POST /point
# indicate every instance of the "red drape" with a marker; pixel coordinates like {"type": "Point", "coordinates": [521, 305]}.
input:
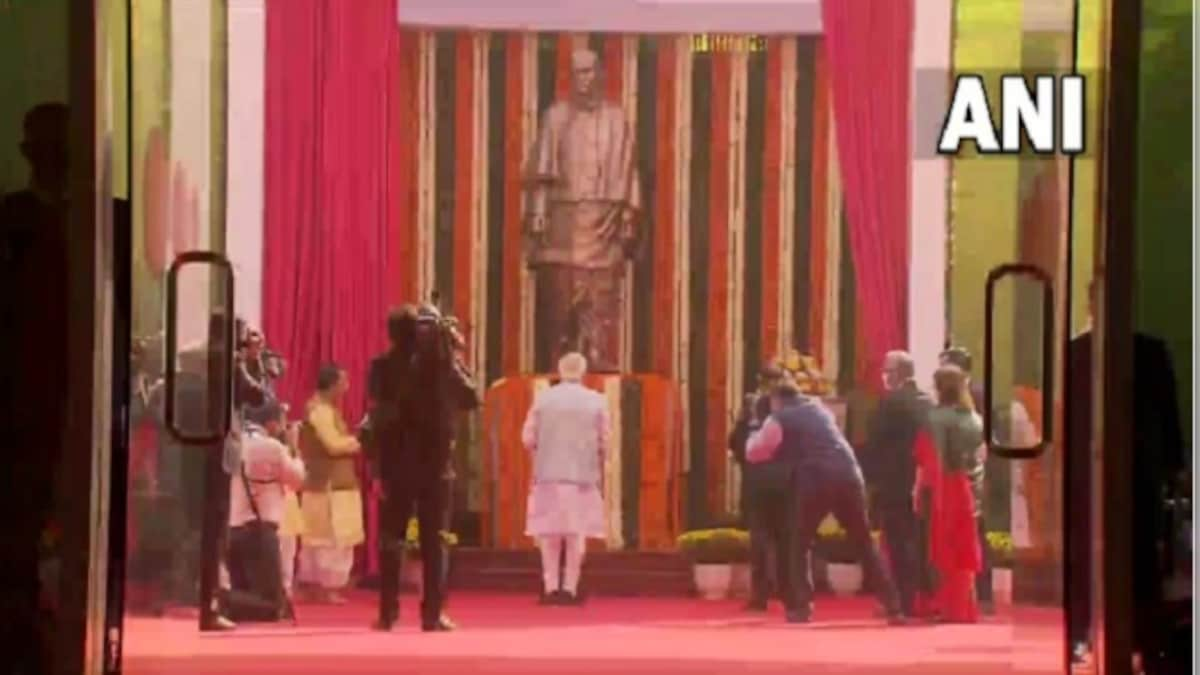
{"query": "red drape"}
{"type": "Point", "coordinates": [868, 45]}
{"type": "Point", "coordinates": [329, 263]}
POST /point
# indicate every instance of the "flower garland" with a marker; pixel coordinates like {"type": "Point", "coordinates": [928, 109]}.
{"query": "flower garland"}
{"type": "Point", "coordinates": [805, 371]}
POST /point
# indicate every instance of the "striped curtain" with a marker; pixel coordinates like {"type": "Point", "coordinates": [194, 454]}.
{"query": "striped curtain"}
{"type": "Point", "coordinates": [742, 214]}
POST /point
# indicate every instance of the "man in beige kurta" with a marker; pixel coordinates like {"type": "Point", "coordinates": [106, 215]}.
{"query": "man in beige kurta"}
{"type": "Point", "coordinates": [331, 501]}
{"type": "Point", "coordinates": [582, 204]}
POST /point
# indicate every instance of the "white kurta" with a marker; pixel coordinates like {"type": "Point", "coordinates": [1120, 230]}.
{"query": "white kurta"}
{"type": "Point", "coordinates": [564, 509]}
{"type": "Point", "coordinates": [568, 426]}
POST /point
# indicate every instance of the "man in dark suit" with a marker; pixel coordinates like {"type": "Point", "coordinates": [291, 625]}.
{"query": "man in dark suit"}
{"type": "Point", "coordinates": [417, 388]}
{"type": "Point", "coordinates": [767, 502]}
{"type": "Point", "coordinates": [1158, 462]}
{"type": "Point", "coordinates": [891, 471]}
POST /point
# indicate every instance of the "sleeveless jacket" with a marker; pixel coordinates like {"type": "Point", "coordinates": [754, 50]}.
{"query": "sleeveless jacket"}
{"type": "Point", "coordinates": [814, 444]}
{"type": "Point", "coordinates": [567, 430]}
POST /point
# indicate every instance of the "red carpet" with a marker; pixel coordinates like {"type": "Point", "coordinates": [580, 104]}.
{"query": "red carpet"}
{"type": "Point", "coordinates": [510, 634]}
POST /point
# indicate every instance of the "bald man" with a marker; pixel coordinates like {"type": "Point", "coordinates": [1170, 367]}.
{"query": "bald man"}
{"type": "Point", "coordinates": [583, 200]}
{"type": "Point", "coordinates": [891, 471]}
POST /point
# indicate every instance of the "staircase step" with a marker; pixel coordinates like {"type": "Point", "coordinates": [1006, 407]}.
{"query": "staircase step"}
{"type": "Point", "coordinates": [614, 573]}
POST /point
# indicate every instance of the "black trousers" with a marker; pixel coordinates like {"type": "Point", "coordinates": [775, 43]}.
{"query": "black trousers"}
{"type": "Point", "coordinates": [770, 519]}
{"type": "Point", "coordinates": [20, 629]}
{"type": "Point", "coordinates": [844, 497]}
{"type": "Point", "coordinates": [983, 580]}
{"type": "Point", "coordinates": [424, 492]}
{"type": "Point", "coordinates": [214, 532]}
{"type": "Point", "coordinates": [255, 573]}
{"type": "Point", "coordinates": [901, 531]}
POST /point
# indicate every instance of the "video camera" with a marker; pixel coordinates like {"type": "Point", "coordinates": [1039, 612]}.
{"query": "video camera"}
{"type": "Point", "coordinates": [437, 333]}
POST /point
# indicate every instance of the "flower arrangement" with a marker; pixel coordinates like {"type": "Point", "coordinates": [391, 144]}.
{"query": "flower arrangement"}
{"type": "Point", "coordinates": [412, 537]}
{"type": "Point", "coordinates": [1000, 546]}
{"type": "Point", "coordinates": [721, 546]}
{"type": "Point", "coordinates": [831, 544]}
{"type": "Point", "coordinates": [806, 373]}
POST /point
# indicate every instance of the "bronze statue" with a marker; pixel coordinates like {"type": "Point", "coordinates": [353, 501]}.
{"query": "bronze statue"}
{"type": "Point", "coordinates": [582, 207]}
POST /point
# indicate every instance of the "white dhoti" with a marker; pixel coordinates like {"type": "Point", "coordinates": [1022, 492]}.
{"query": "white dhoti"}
{"type": "Point", "coordinates": [562, 509]}
{"type": "Point", "coordinates": [287, 561]}
{"type": "Point", "coordinates": [333, 526]}
{"type": "Point", "coordinates": [327, 567]}
{"type": "Point", "coordinates": [561, 516]}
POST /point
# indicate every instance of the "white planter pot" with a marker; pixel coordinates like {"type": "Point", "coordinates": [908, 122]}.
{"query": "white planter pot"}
{"type": "Point", "coordinates": [713, 581]}
{"type": "Point", "coordinates": [1002, 586]}
{"type": "Point", "coordinates": [739, 585]}
{"type": "Point", "coordinates": [845, 579]}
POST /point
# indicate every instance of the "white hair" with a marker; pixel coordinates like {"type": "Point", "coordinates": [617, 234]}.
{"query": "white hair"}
{"type": "Point", "coordinates": [572, 366]}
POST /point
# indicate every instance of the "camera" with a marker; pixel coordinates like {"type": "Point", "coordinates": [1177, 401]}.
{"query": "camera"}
{"type": "Point", "coordinates": [273, 363]}
{"type": "Point", "coordinates": [437, 333]}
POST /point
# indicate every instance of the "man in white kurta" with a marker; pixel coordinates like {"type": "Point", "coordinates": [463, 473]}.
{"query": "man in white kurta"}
{"type": "Point", "coordinates": [567, 431]}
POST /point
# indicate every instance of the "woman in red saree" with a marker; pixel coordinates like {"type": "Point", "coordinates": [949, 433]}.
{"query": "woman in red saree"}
{"type": "Point", "coordinates": [949, 476]}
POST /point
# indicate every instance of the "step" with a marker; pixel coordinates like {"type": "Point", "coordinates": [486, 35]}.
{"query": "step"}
{"type": "Point", "coordinates": [615, 573]}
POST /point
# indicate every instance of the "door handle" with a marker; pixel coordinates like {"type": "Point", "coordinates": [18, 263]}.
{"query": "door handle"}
{"type": "Point", "coordinates": [1029, 284]}
{"type": "Point", "coordinates": [211, 416]}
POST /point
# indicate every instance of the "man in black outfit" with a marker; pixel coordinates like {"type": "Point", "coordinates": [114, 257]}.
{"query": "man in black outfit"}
{"type": "Point", "coordinates": [1158, 463]}
{"type": "Point", "coordinates": [802, 432]}
{"type": "Point", "coordinates": [903, 412]}
{"type": "Point", "coordinates": [33, 267]}
{"type": "Point", "coordinates": [766, 498]}
{"type": "Point", "coordinates": [417, 389]}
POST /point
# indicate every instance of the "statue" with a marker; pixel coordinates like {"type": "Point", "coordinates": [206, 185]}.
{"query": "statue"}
{"type": "Point", "coordinates": [582, 205]}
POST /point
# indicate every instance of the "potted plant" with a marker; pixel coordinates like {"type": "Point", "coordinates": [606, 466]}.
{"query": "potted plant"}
{"type": "Point", "coordinates": [1000, 547]}
{"type": "Point", "coordinates": [411, 574]}
{"type": "Point", "coordinates": [713, 554]}
{"type": "Point", "coordinates": [842, 569]}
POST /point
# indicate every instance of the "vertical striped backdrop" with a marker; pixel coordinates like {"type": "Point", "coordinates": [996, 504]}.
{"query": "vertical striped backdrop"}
{"type": "Point", "coordinates": [742, 257]}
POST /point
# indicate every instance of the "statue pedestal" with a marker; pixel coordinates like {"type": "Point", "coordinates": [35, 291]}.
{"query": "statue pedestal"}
{"type": "Point", "coordinates": [642, 479]}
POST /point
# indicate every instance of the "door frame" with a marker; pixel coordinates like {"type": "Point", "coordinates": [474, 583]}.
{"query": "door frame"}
{"type": "Point", "coordinates": [82, 495]}
{"type": "Point", "coordinates": [1112, 347]}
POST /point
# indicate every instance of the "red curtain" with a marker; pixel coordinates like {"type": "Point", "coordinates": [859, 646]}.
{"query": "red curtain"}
{"type": "Point", "coordinates": [868, 44]}
{"type": "Point", "coordinates": [330, 269]}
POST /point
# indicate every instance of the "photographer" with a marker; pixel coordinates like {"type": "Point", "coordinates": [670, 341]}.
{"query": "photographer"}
{"type": "Point", "coordinates": [259, 501]}
{"type": "Point", "coordinates": [257, 369]}
{"type": "Point", "coordinates": [766, 496]}
{"type": "Point", "coordinates": [417, 388]}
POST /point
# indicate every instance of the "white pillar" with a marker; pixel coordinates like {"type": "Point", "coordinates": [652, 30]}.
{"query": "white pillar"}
{"type": "Point", "coordinates": [929, 185]}
{"type": "Point", "coordinates": [191, 152]}
{"type": "Point", "coordinates": [244, 165]}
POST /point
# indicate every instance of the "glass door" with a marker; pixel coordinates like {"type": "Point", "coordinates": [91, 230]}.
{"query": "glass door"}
{"type": "Point", "coordinates": [181, 328]}
{"type": "Point", "coordinates": [1018, 235]}
{"type": "Point", "coordinates": [1028, 225]}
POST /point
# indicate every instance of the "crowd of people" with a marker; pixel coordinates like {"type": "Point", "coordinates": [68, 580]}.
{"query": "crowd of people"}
{"type": "Point", "coordinates": [925, 473]}
{"type": "Point", "coordinates": [281, 515]}
{"type": "Point", "coordinates": [922, 467]}
{"type": "Point", "coordinates": [293, 513]}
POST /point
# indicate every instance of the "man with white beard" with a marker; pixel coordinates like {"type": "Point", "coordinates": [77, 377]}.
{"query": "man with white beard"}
{"type": "Point", "coordinates": [567, 430]}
